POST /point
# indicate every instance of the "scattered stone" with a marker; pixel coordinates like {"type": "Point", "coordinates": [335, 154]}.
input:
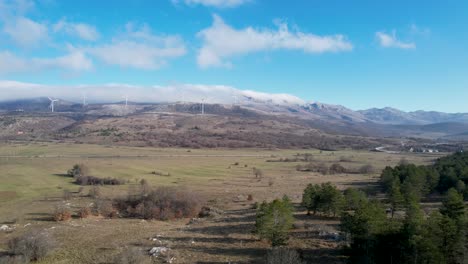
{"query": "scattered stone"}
{"type": "Point", "coordinates": [28, 224]}
{"type": "Point", "coordinates": [6, 228]}
{"type": "Point", "coordinates": [194, 221]}
{"type": "Point", "coordinates": [240, 198]}
{"type": "Point", "coordinates": [209, 211]}
{"type": "Point", "coordinates": [158, 251]}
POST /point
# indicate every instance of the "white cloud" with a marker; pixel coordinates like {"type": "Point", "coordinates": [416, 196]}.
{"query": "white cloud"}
{"type": "Point", "coordinates": [74, 61]}
{"type": "Point", "coordinates": [26, 32]}
{"type": "Point", "coordinates": [417, 30]}
{"type": "Point", "coordinates": [10, 90]}
{"type": "Point", "coordinates": [214, 3]}
{"type": "Point", "coordinates": [140, 49]}
{"type": "Point", "coordinates": [221, 41]}
{"type": "Point", "coordinates": [81, 30]}
{"type": "Point", "coordinates": [391, 41]}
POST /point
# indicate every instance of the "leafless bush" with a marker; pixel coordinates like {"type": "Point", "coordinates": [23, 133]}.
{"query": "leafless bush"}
{"type": "Point", "coordinates": [91, 180]}
{"type": "Point", "coordinates": [95, 192]}
{"type": "Point", "coordinates": [67, 195]}
{"type": "Point", "coordinates": [32, 245]}
{"type": "Point", "coordinates": [105, 208]}
{"type": "Point", "coordinates": [403, 161]}
{"type": "Point", "coordinates": [271, 181]}
{"type": "Point", "coordinates": [84, 212]}
{"type": "Point", "coordinates": [367, 169]}
{"type": "Point", "coordinates": [345, 159]}
{"type": "Point", "coordinates": [257, 172]}
{"type": "Point", "coordinates": [283, 256]}
{"type": "Point", "coordinates": [337, 169]}
{"type": "Point", "coordinates": [145, 188]}
{"type": "Point", "coordinates": [62, 213]}
{"type": "Point", "coordinates": [132, 256]}
{"type": "Point", "coordinates": [13, 259]}
{"type": "Point", "coordinates": [163, 203]}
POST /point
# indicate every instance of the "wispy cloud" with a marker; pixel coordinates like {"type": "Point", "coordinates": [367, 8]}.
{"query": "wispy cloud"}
{"type": "Point", "coordinates": [74, 61]}
{"type": "Point", "coordinates": [221, 42]}
{"type": "Point", "coordinates": [213, 3]}
{"type": "Point", "coordinates": [26, 32]}
{"type": "Point", "coordinates": [391, 41]}
{"type": "Point", "coordinates": [417, 30]}
{"type": "Point", "coordinates": [140, 48]}
{"type": "Point", "coordinates": [10, 90]}
{"type": "Point", "coordinates": [81, 30]}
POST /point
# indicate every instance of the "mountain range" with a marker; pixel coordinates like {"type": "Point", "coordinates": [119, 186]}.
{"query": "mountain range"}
{"type": "Point", "coordinates": [336, 119]}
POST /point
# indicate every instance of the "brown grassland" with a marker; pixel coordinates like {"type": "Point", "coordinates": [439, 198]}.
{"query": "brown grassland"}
{"type": "Point", "coordinates": [32, 184]}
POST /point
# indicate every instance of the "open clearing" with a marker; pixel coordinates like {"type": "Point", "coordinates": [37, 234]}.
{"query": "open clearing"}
{"type": "Point", "coordinates": [32, 183]}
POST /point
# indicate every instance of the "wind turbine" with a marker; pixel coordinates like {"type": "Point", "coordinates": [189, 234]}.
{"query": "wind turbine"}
{"type": "Point", "coordinates": [126, 100]}
{"type": "Point", "coordinates": [84, 99]}
{"type": "Point", "coordinates": [52, 101]}
{"type": "Point", "coordinates": [203, 100]}
{"type": "Point", "coordinates": [235, 99]}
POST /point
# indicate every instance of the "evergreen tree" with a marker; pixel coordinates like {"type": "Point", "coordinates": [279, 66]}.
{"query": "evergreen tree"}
{"type": "Point", "coordinates": [453, 205]}
{"type": "Point", "coordinates": [395, 197]}
{"type": "Point", "coordinates": [274, 220]}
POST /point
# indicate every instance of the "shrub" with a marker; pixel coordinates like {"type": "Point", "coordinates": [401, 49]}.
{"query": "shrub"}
{"type": "Point", "coordinates": [91, 180]}
{"type": "Point", "coordinates": [32, 245]}
{"type": "Point", "coordinates": [163, 203]}
{"type": "Point", "coordinates": [257, 172]}
{"type": "Point", "coordinates": [250, 197]}
{"type": "Point", "coordinates": [132, 256]}
{"type": "Point", "coordinates": [84, 212]}
{"type": "Point", "coordinates": [95, 192]}
{"type": "Point", "coordinates": [337, 169]}
{"type": "Point", "coordinates": [105, 208]}
{"type": "Point", "coordinates": [367, 169]}
{"type": "Point", "coordinates": [345, 159]}
{"type": "Point", "coordinates": [67, 195]}
{"type": "Point", "coordinates": [62, 213]}
{"type": "Point", "coordinates": [282, 255]}
{"type": "Point", "coordinates": [271, 181]}
{"type": "Point", "coordinates": [78, 170]}
{"type": "Point", "coordinates": [13, 259]}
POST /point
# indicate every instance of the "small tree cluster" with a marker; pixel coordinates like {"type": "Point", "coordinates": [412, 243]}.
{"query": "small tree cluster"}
{"type": "Point", "coordinates": [163, 203]}
{"type": "Point", "coordinates": [274, 220]}
{"type": "Point", "coordinates": [324, 198]}
{"type": "Point", "coordinates": [438, 238]}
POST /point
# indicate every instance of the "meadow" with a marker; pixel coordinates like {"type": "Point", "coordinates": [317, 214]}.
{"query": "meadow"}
{"type": "Point", "coordinates": [32, 182]}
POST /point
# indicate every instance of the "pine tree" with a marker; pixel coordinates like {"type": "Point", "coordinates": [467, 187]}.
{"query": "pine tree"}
{"type": "Point", "coordinates": [274, 220]}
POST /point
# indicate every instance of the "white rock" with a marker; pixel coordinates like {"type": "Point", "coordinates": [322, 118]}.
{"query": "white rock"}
{"type": "Point", "coordinates": [157, 251]}
{"type": "Point", "coordinates": [5, 228]}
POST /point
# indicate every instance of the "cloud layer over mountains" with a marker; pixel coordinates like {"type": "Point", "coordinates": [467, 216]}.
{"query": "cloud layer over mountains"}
{"type": "Point", "coordinates": [12, 90]}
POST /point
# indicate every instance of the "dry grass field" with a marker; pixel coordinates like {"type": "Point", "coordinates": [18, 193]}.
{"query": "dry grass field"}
{"type": "Point", "coordinates": [32, 184]}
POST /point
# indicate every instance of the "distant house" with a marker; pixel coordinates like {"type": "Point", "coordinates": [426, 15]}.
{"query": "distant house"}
{"type": "Point", "coordinates": [19, 133]}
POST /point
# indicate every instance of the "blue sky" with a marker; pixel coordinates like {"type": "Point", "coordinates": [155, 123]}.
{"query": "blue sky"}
{"type": "Point", "coordinates": [406, 54]}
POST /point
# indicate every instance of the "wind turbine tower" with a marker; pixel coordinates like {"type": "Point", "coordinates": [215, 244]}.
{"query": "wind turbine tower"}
{"type": "Point", "coordinates": [126, 100]}
{"type": "Point", "coordinates": [84, 100]}
{"type": "Point", "coordinates": [203, 106]}
{"type": "Point", "coordinates": [52, 101]}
